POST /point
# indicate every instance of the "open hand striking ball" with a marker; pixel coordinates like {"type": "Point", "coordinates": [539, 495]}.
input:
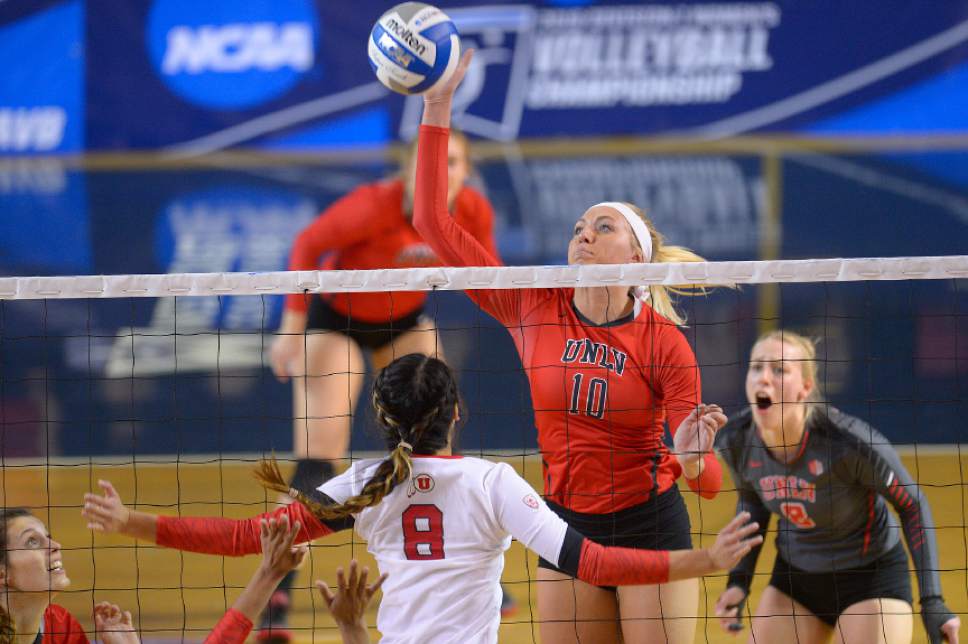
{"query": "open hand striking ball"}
{"type": "Point", "coordinates": [413, 47]}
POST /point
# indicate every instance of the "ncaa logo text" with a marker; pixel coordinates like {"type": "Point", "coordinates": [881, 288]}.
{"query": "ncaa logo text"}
{"type": "Point", "coordinates": [231, 55]}
{"type": "Point", "coordinates": [238, 48]}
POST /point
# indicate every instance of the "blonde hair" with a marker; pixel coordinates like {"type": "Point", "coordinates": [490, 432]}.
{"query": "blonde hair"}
{"type": "Point", "coordinates": [415, 399]}
{"type": "Point", "coordinates": [808, 363]}
{"type": "Point", "coordinates": [661, 297]}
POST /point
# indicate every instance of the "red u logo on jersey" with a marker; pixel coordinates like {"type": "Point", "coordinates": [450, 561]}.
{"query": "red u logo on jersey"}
{"type": "Point", "coordinates": [424, 483]}
{"type": "Point", "coordinates": [420, 483]}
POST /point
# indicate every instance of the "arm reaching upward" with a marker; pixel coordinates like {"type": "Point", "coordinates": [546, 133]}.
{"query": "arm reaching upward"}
{"type": "Point", "coordinates": [279, 556]}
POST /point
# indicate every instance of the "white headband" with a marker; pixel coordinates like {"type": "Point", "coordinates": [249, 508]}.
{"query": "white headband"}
{"type": "Point", "coordinates": [639, 229]}
{"type": "Point", "coordinates": [641, 232]}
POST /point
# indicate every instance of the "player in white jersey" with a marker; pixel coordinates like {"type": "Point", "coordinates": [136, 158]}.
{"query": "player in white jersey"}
{"type": "Point", "coordinates": [438, 524]}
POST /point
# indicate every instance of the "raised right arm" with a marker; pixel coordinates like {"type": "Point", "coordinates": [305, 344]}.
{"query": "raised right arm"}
{"type": "Point", "coordinates": [452, 244]}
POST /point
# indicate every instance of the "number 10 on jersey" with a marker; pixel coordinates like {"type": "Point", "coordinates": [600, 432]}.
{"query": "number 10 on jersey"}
{"type": "Point", "coordinates": [591, 401]}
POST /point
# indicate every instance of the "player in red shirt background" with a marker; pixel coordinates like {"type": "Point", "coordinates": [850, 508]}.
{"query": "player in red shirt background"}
{"type": "Point", "coordinates": [322, 338]}
{"type": "Point", "coordinates": [608, 369]}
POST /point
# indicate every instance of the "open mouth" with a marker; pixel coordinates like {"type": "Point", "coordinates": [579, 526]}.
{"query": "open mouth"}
{"type": "Point", "coordinates": [56, 567]}
{"type": "Point", "coordinates": [763, 401]}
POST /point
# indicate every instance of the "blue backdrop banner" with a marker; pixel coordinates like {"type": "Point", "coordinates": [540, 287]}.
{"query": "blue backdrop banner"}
{"type": "Point", "coordinates": [200, 76]}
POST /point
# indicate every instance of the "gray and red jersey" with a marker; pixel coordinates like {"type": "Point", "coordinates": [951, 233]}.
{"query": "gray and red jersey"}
{"type": "Point", "coordinates": [832, 498]}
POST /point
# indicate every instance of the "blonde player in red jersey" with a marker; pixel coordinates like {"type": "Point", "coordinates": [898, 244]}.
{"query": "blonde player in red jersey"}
{"type": "Point", "coordinates": [608, 368]}
{"type": "Point", "coordinates": [438, 524]}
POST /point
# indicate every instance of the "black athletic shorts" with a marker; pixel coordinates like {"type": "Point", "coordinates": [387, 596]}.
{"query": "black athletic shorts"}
{"type": "Point", "coordinates": [661, 523]}
{"type": "Point", "coordinates": [828, 594]}
{"type": "Point", "coordinates": [369, 335]}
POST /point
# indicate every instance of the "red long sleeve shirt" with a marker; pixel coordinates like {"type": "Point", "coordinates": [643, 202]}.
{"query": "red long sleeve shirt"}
{"type": "Point", "coordinates": [601, 393]}
{"type": "Point", "coordinates": [368, 229]}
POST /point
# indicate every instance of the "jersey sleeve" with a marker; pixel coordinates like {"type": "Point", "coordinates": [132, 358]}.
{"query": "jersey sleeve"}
{"type": "Point", "coordinates": [520, 512]}
{"type": "Point", "coordinates": [730, 445]}
{"type": "Point", "coordinates": [453, 244]}
{"type": "Point", "coordinates": [343, 224]}
{"type": "Point", "coordinates": [233, 537]}
{"type": "Point", "coordinates": [879, 469]}
{"type": "Point", "coordinates": [233, 628]}
{"type": "Point", "coordinates": [681, 387]}
{"type": "Point", "coordinates": [479, 221]}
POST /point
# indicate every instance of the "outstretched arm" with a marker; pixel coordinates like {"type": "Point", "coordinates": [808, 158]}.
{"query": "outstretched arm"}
{"type": "Point", "coordinates": [452, 243]}
{"type": "Point", "coordinates": [279, 556]}
{"type": "Point", "coordinates": [519, 510]}
{"type": "Point", "coordinates": [211, 535]}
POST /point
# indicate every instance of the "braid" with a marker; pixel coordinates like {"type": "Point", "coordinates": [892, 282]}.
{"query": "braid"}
{"type": "Point", "coordinates": [388, 475]}
{"type": "Point", "coordinates": [415, 399]}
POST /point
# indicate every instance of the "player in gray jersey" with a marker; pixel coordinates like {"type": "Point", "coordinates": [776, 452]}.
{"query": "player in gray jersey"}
{"type": "Point", "coordinates": [840, 566]}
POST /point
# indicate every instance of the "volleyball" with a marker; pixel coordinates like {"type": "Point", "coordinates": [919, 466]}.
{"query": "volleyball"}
{"type": "Point", "coordinates": [413, 47]}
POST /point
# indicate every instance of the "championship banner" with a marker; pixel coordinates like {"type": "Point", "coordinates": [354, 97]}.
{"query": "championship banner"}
{"type": "Point", "coordinates": [188, 77]}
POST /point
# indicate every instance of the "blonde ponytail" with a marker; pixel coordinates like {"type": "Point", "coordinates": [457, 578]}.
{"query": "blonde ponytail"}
{"type": "Point", "coordinates": [660, 297]}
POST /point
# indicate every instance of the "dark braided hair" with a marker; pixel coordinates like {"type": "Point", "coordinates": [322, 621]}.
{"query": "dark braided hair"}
{"type": "Point", "coordinates": [7, 515]}
{"type": "Point", "coordinates": [415, 399]}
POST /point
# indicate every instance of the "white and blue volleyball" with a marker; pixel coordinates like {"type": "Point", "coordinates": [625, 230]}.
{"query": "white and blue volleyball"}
{"type": "Point", "coordinates": [414, 47]}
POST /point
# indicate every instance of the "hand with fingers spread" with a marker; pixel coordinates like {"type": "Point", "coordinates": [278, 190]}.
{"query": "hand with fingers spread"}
{"type": "Point", "coordinates": [735, 541]}
{"type": "Point", "coordinates": [113, 625]}
{"type": "Point", "coordinates": [349, 603]}
{"type": "Point", "coordinates": [279, 556]}
{"type": "Point", "coordinates": [279, 553]}
{"type": "Point", "coordinates": [105, 512]}
{"type": "Point", "coordinates": [729, 609]}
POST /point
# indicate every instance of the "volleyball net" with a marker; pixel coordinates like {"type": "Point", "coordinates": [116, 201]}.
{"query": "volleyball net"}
{"type": "Point", "coordinates": [124, 377]}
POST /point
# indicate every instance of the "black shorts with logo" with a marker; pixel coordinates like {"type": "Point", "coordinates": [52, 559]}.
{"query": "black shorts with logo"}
{"type": "Point", "coordinates": [661, 523]}
{"type": "Point", "coordinates": [828, 594]}
{"type": "Point", "coordinates": [369, 335]}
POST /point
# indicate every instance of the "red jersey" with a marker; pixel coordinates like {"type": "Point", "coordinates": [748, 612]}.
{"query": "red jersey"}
{"type": "Point", "coordinates": [60, 627]}
{"type": "Point", "coordinates": [601, 393]}
{"type": "Point", "coordinates": [368, 229]}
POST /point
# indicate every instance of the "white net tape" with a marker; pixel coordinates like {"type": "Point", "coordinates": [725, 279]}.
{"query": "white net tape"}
{"type": "Point", "coordinates": [505, 277]}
